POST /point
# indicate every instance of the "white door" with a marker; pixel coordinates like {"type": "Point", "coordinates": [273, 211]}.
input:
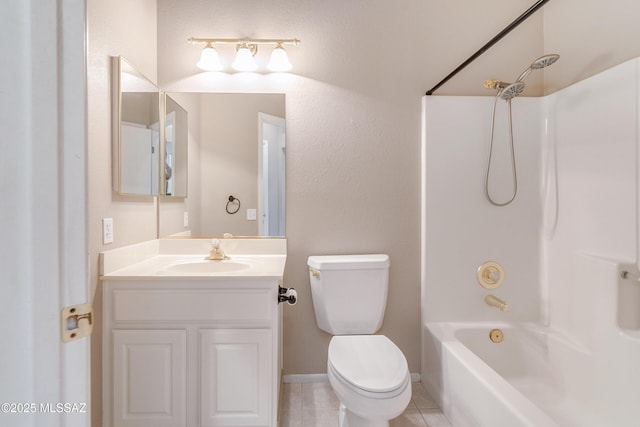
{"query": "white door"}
{"type": "Point", "coordinates": [43, 214]}
{"type": "Point", "coordinates": [271, 175]}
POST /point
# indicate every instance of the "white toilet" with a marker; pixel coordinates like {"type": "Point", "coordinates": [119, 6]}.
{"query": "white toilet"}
{"type": "Point", "coordinates": [368, 373]}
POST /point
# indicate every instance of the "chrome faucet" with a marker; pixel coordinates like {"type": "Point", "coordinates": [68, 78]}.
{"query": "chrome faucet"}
{"type": "Point", "coordinates": [496, 302]}
{"type": "Point", "coordinates": [216, 251]}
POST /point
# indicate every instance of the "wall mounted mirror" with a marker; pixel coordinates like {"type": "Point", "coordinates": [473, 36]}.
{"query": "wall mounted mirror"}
{"type": "Point", "coordinates": [237, 148]}
{"type": "Point", "coordinates": [136, 131]}
{"type": "Point", "coordinates": [175, 149]}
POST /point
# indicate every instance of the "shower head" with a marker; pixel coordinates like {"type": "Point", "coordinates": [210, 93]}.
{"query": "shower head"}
{"type": "Point", "coordinates": [545, 61]}
{"type": "Point", "coordinates": [506, 91]}
{"type": "Point", "coordinates": [511, 91]}
{"type": "Point", "coordinates": [542, 62]}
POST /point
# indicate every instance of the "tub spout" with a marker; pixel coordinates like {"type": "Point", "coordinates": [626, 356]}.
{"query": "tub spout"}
{"type": "Point", "coordinates": [496, 302]}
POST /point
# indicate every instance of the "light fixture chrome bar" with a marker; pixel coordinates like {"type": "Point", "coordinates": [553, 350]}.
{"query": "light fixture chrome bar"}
{"type": "Point", "coordinates": [196, 40]}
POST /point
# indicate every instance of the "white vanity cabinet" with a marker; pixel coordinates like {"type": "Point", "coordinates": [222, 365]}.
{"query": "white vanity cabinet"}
{"type": "Point", "coordinates": [191, 352]}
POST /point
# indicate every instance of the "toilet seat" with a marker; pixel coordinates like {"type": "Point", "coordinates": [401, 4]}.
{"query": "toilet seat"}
{"type": "Point", "coordinates": [371, 364]}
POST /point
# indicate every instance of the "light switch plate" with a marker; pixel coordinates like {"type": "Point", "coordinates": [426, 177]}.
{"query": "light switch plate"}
{"type": "Point", "coordinates": [251, 215]}
{"type": "Point", "coordinates": [185, 219]}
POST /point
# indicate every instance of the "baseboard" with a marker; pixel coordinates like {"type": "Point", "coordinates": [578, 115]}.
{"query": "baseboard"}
{"type": "Point", "coordinates": [305, 378]}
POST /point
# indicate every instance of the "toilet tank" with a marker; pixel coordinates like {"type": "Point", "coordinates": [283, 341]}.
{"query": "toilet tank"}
{"type": "Point", "coordinates": [349, 292]}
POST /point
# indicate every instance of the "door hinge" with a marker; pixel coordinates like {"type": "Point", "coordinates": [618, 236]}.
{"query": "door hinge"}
{"type": "Point", "coordinates": [77, 322]}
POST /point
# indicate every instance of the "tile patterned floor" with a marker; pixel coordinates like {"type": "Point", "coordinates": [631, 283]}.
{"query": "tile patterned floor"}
{"type": "Point", "coordinates": [315, 405]}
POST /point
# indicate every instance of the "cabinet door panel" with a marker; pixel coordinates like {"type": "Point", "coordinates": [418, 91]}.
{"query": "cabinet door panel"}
{"type": "Point", "coordinates": [149, 378]}
{"type": "Point", "coordinates": [235, 377]}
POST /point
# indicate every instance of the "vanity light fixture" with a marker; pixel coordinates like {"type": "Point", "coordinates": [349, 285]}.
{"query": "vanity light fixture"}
{"type": "Point", "coordinates": [246, 49]}
{"type": "Point", "coordinates": [209, 59]}
{"type": "Point", "coordinates": [244, 57]}
{"type": "Point", "coordinates": [279, 59]}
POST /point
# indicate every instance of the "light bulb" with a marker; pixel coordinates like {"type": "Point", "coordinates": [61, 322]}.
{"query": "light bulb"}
{"type": "Point", "coordinates": [244, 60]}
{"type": "Point", "coordinates": [209, 60]}
{"type": "Point", "coordinates": [279, 60]}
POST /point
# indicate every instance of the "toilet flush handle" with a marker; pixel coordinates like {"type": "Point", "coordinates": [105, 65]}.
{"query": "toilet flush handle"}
{"type": "Point", "coordinates": [314, 272]}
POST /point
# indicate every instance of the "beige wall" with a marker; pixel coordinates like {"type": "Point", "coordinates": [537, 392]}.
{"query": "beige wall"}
{"type": "Point", "coordinates": [353, 126]}
{"type": "Point", "coordinates": [127, 28]}
{"type": "Point", "coordinates": [591, 36]}
{"type": "Point", "coordinates": [353, 114]}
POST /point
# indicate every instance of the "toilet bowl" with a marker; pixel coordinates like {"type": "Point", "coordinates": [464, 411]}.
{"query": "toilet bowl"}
{"type": "Point", "coordinates": [368, 373]}
{"type": "Point", "coordinates": [370, 377]}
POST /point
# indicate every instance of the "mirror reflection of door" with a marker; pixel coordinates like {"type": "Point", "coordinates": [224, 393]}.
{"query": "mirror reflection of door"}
{"type": "Point", "coordinates": [175, 149]}
{"type": "Point", "coordinates": [271, 175]}
{"type": "Point", "coordinates": [155, 157]}
{"type": "Point", "coordinates": [169, 139]}
{"type": "Point", "coordinates": [139, 166]}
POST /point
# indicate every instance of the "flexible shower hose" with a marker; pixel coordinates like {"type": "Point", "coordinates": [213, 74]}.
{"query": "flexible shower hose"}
{"type": "Point", "coordinates": [513, 156]}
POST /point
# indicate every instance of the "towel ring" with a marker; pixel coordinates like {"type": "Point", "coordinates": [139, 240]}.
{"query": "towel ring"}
{"type": "Point", "coordinates": [231, 200]}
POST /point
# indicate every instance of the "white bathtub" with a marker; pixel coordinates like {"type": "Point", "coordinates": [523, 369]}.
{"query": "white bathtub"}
{"type": "Point", "coordinates": [521, 381]}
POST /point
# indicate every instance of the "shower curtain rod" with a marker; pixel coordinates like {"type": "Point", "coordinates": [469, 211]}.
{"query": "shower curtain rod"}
{"type": "Point", "coordinates": [519, 20]}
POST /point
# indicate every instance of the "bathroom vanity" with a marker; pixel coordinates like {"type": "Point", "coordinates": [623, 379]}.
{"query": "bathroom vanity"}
{"type": "Point", "coordinates": [192, 342]}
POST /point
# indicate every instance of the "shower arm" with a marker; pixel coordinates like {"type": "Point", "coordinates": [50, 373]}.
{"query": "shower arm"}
{"type": "Point", "coordinates": [519, 20]}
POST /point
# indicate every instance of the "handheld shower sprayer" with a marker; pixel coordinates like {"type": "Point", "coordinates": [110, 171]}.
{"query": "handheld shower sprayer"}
{"type": "Point", "coordinates": [506, 92]}
{"type": "Point", "coordinates": [542, 62]}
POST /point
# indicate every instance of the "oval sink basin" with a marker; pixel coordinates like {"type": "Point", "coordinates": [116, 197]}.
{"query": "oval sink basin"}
{"type": "Point", "coordinates": [208, 266]}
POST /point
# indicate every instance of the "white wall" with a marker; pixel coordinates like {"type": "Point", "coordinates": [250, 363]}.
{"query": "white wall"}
{"type": "Point", "coordinates": [590, 207]}
{"type": "Point", "coordinates": [462, 229]}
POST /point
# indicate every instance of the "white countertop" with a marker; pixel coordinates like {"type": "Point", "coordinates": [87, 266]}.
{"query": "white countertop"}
{"type": "Point", "coordinates": [187, 258]}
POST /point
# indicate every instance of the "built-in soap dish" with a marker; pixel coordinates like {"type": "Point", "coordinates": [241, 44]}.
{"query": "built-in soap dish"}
{"type": "Point", "coordinates": [628, 315]}
{"type": "Point", "coordinates": [490, 275]}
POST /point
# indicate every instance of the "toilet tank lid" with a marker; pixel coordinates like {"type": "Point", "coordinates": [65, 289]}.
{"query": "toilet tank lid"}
{"type": "Point", "coordinates": [348, 262]}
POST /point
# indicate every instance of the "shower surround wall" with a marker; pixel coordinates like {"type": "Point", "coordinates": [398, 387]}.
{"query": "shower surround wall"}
{"type": "Point", "coordinates": [563, 240]}
{"type": "Point", "coordinates": [461, 229]}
